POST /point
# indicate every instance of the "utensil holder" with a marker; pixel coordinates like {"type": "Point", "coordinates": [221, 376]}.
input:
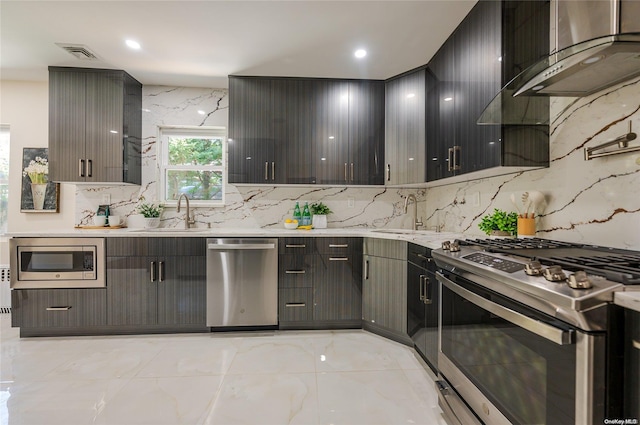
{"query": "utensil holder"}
{"type": "Point", "coordinates": [526, 227]}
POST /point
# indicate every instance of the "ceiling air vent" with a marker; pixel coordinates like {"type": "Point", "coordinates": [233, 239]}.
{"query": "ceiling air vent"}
{"type": "Point", "coordinates": [79, 51]}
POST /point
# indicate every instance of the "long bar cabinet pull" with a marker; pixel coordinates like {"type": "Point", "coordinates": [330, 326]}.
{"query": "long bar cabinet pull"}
{"type": "Point", "coordinates": [450, 159]}
{"type": "Point", "coordinates": [266, 171]}
{"type": "Point", "coordinates": [295, 304]}
{"type": "Point", "coordinates": [352, 171]}
{"type": "Point", "coordinates": [338, 258]}
{"type": "Point", "coordinates": [388, 172]}
{"type": "Point", "coordinates": [456, 158]}
{"type": "Point", "coordinates": [81, 167]}
{"type": "Point", "coordinates": [366, 270]}
{"type": "Point", "coordinates": [153, 271]}
{"type": "Point", "coordinates": [345, 172]}
{"type": "Point", "coordinates": [90, 168]}
{"type": "Point", "coordinates": [342, 245]}
{"type": "Point", "coordinates": [295, 245]}
{"type": "Point", "coordinates": [161, 271]}
{"type": "Point", "coordinates": [273, 171]}
{"type": "Point", "coordinates": [59, 308]}
{"type": "Point", "coordinates": [422, 289]}
{"type": "Point", "coordinates": [426, 299]}
{"type": "Point", "coordinates": [295, 271]}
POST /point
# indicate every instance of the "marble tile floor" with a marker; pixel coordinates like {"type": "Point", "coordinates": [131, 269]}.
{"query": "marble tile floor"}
{"type": "Point", "coordinates": [285, 377]}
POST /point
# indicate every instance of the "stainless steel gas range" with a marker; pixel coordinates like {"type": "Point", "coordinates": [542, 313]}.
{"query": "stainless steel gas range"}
{"type": "Point", "coordinates": [528, 331]}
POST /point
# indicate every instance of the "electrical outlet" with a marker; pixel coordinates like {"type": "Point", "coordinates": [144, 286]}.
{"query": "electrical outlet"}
{"type": "Point", "coordinates": [106, 199]}
{"type": "Point", "coordinates": [351, 202]}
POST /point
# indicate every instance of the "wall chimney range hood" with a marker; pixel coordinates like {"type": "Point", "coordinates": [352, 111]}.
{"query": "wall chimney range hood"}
{"type": "Point", "coordinates": [595, 44]}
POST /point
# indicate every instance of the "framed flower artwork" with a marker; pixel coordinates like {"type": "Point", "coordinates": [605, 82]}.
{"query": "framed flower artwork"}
{"type": "Point", "coordinates": [38, 193]}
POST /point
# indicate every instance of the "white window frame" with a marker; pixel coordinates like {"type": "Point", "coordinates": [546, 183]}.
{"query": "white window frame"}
{"type": "Point", "coordinates": [163, 158]}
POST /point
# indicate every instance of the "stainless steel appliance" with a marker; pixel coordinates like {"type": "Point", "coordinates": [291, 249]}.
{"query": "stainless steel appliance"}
{"type": "Point", "coordinates": [57, 262]}
{"type": "Point", "coordinates": [528, 333]}
{"type": "Point", "coordinates": [242, 282]}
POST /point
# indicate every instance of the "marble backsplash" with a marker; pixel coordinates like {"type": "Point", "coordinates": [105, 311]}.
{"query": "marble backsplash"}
{"type": "Point", "coordinates": [246, 206]}
{"type": "Point", "coordinates": [595, 201]}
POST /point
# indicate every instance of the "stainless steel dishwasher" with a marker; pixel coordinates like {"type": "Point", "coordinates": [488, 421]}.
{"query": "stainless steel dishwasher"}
{"type": "Point", "coordinates": [242, 282]}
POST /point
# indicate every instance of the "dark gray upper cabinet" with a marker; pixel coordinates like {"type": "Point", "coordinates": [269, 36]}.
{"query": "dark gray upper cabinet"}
{"type": "Point", "coordinates": [95, 126]}
{"type": "Point", "coordinates": [305, 131]}
{"type": "Point", "coordinates": [405, 129]}
{"type": "Point", "coordinates": [494, 43]}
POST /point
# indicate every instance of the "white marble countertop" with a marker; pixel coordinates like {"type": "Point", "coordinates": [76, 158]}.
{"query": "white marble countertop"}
{"type": "Point", "coordinates": [426, 238]}
{"type": "Point", "coordinates": [628, 299]}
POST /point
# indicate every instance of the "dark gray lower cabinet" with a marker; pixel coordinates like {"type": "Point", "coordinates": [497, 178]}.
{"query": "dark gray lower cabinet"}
{"type": "Point", "coordinates": [384, 300]}
{"type": "Point", "coordinates": [423, 298]}
{"type": "Point", "coordinates": [156, 283]}
{"type": "Point", "coordinates": [76, 310]}
{"type": "Point", "coordinates": [320, 283]}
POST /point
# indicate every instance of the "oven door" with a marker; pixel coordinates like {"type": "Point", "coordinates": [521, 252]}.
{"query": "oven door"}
{"type": "Point", "coordinates": [514, 365]}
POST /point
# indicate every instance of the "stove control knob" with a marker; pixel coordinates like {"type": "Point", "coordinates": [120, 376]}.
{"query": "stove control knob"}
{"type": "Point", "coordinates": [455, 246]}
{"type": "Point", "coordinates": [446, 246]}
{"type": "Point", "coordinates": [554, 274]}
{"type": "Point", "coordinates": [533, 268]}
{"type": "Point", "coordinates": [579, 280]}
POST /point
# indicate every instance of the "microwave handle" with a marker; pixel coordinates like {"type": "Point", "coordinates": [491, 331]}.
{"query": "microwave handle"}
{"type": "Point", "coordinates": [553, 334]}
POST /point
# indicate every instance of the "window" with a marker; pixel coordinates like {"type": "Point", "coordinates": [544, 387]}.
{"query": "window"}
{"type": "Point", "coordinates": [4, 178]}
{"type": "Point", "coordinates": [192, 162]}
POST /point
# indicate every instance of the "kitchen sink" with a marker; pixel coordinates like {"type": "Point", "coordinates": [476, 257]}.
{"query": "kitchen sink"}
{"type": "Point", "coordinates": [172, 230]}
{"type": "Point", "coordinates": [402, 231]}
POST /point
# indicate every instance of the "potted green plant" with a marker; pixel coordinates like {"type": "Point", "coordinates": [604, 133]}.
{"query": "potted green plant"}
{"type": "Point", "coordinates": [500, 223]}
{"type": "Point", "coordinates": [320, 212]}
{"type": "Point", "coordinates": [151, 213]}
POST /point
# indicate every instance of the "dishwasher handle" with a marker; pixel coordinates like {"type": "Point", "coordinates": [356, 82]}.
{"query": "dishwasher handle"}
{"type": "Point", "coordinates": [240, 246]}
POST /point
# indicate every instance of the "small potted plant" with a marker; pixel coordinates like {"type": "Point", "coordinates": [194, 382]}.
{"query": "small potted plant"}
{"type": "Point", "coordinates": [499, 223]}
{"type": "Point", "coordinates": [151, 213]}
{"type": "Point", "coordinates": [320, 212]}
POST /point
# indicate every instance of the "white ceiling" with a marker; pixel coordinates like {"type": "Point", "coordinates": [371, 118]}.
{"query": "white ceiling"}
{"type": "Point", "coordinates": [199, 43]}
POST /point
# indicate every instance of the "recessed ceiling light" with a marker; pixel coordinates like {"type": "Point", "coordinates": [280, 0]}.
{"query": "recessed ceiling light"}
{"type": "Point", "coordinates": [133, 44]}
{"type": "Point", "coordinates": [331, 137]}
{"type": "Point", "coordinates": [410, 159]}
{"type": "Point", "coordinates": [492, 143]}
{"type": "Point", "coordinates": [434, 159]}
{"type": "Point", "coordinates": [448, 99]}
{"type": "Point", "coordinates": [201, 112]}
{"type": "Point", "coordinates": [360, 53]}
{"type": "Point", "coordinates": [113, 131]}
{"type": "Point", "coordinates": [323, 159]}
{"type": "Point", "coordinates": [410, 95]}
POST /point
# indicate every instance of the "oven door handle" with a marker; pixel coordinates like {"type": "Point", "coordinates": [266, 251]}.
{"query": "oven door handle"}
{"type": "Point", "coordinates": [551, 333]}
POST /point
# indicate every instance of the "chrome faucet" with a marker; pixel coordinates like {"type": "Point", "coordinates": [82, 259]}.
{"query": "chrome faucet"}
{"type": "Point", "coordinates": [416, 223]}
{"type": "Point", "coordinates": [188, 221]}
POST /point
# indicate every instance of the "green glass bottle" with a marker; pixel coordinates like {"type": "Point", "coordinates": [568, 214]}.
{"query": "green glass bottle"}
{"type": "Point", "coordinates": [306, 215]}
{"type": "Point", "coordinates": [297, 215]}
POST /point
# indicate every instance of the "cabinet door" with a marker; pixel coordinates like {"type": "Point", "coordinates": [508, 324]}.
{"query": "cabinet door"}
{"type": "Point", "coordinates": [104, 115]}
{"type": "Point", "coordinates": [405, 129]}
{"type": "Point", "coordinates": [67, 106]}
{"type": "Point", "coordinates": [132, 290]}
{"type": "Point", "coordinates": [366, 132]}
{"type": "Point", "coordinates": [55, 308]}
{"type": "Point", "coordinates": [442, 91]}
{"type": "Point", "coordinates": [337, 288]}
{"type": "Point", "coordinates": [331, 131]}
{"type": "Point", "coordinates": [251, 145]}
{"type": "Point", "coordinates": [293, 109]}
{"type": "Point", "coordinates": [182, 287]}
{"type": "Point", "coordinates": [384, 298]}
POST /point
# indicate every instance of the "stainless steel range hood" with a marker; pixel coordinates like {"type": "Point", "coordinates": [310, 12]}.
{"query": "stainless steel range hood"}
{"type": "Point", "coordinates": [595, 45]}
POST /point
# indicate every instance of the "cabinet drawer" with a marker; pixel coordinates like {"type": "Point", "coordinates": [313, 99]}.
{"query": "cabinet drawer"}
{"type": "Point", "coordinates": [338, 245]}
{"type": "Point", "coordinates": [296, 270]}
{"type": "Point", "coordinates": [52, 308]}
{"type": "Point", "coordinates": [295, 304]}
{"type": "Point", "coordinates": [385, 248]}
{"type": "Point", "coordinates": [296, 245]}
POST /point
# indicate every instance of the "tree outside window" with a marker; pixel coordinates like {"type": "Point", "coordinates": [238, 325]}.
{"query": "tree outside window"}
{"type": "Point", "coordinates": [193, 164]}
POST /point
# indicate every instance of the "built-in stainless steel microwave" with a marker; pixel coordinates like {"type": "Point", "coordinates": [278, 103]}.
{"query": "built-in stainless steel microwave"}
{"type": "Point", "coordinates": [57, 263]}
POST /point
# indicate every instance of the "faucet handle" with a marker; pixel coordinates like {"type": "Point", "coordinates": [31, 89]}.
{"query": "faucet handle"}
{"type": "Point", "coordinates": [419, 223]}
